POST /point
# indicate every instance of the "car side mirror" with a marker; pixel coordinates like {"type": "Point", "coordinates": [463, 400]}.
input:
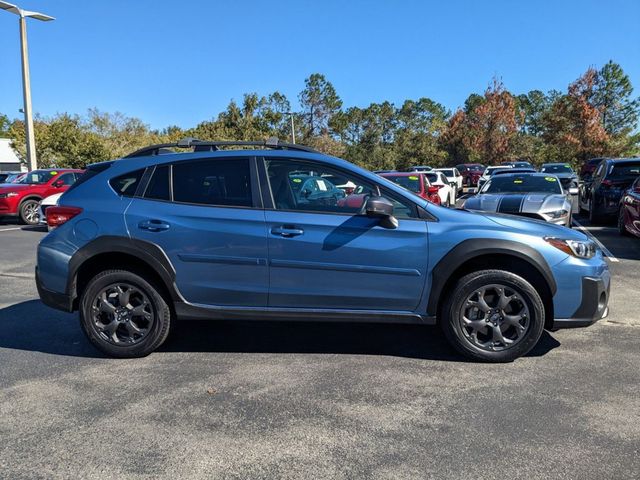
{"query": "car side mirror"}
{"type": "Point", "coordinates": [382, 209]}
{"type": "Point", "coordinates": [58, 184]}
{"type": "Point", "coordinates": [432, 189]}
{"type": "Point", "coordinates": [573, 190]}
{"type": "Point", "coordinates": [472, 190]}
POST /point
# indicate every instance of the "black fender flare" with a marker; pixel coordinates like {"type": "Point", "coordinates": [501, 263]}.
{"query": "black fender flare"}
{"type": "Point", "coordinates": [477, 247]}
{"type": "Point", "coordinates": [147, 252]}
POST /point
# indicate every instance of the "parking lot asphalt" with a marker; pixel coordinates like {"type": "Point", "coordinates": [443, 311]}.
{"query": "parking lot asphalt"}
{"type": "Point", "coordinates": [310, 400]}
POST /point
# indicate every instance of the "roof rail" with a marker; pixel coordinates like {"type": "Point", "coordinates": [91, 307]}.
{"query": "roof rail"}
{"type": "Point", "coordinates": [206, 146]}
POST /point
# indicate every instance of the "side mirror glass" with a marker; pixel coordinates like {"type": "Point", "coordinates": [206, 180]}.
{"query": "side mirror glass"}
{"type": "Point", "coordinates": [472, 190]}
{"type": "Point", "coordinates": [381, 208]}
{"type": "Point", "coordinates": [573, 190]}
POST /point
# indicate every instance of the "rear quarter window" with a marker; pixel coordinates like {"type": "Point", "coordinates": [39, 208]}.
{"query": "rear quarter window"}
{"type": "Point", "coordinates": [127, 184]}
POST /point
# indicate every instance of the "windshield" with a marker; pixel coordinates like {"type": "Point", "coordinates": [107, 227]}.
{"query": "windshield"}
{"type": "Point", "coordinates": [38, 177]}
{"type": "Point", "coordinates": [556, 169]}
{"type": "Point", "coordinates": [476, 167]}
{"type": "Point", "coordinates": [627, 169]}
{"type": "Point", "coordinates": [410, 182]}
{"type": "Point", "coordinates": [522, 184]}
{"type": "Point", "coordinates": [447, 173]}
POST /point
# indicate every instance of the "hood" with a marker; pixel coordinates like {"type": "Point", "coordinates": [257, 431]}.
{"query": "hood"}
{"type": "Point", "coordinates": [539, 228]}
{"type": "Point", "coordinates": [515, 203]}
{"type": "Point", "coordinates": [12, 187]}
{"type": "Point", "coordinates": [506, 223]}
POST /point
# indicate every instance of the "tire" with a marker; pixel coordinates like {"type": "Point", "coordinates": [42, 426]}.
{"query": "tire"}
{"type": "Point", "coordinates": [29, 212]}
{"type": "Point", "coordinates": [98, 314]}
{"type": "Point", "coordinates": [526, 300]}
{"type": "Point", "coordinates": [622, 230]}
{"type": "Point", "coordinates": [594, 217]}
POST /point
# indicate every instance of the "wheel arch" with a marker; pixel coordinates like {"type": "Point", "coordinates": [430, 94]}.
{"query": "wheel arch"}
{"type": "Point", "coordinates": [29, 196]}
{"type": "Point", "coordinates": [112, 252]}
{"type": "Point", "coordinates": [483, 254]}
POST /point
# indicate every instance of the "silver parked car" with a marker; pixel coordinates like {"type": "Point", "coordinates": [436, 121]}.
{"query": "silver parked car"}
{"type": "Point", "coordinates": [534, 195]}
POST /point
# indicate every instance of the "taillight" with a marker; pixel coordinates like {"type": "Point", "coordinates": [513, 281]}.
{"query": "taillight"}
{"type": "Point", "coordinates": [56, 216]}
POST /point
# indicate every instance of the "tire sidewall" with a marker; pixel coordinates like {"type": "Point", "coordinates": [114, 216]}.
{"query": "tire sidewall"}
{"type": "Point", "coordinates": [161, 311]}
{"type": "Point", "coordinates": [466, 286]}
{"type": "Point", "coordinates": [23, 205]}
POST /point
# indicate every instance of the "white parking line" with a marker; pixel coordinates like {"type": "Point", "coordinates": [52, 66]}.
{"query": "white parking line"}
{"type": "Point", "coordinates": [8, 229]}
{"type": "Point", "coordinates": [606, 251]}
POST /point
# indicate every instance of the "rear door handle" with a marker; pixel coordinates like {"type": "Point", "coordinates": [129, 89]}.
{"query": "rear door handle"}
{"type": "Point", "coordinates": [153, 225]}
{"type": "Point", "coordinates": [286, 231]}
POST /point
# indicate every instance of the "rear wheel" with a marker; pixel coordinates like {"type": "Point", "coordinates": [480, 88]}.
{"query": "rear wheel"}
{"type": "Point", "coordinates": [621, 223]}
{"type": "Point", "coordinates": [29, 212]}
{"type": "Point", "coordinates": [493, 316]}
{"type": "Point", "coordinates": [124, 315]}
{"type": "Point", "coordinates": [594, 216]}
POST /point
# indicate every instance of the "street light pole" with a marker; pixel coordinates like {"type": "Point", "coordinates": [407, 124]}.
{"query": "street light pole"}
{"type": "Point", "coordinates": [26, 92]}
{"type": "Point", "coordinates": [26, 78]}
{"type": "Point", "coordinates": [293, 128]}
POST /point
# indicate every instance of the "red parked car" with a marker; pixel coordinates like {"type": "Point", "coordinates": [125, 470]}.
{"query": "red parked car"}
{"type": "Point", "coordinates": [471, 173]}
{"type": "Point", "coordinates": [21, 199]}
{"type": "Point", "coordinates": [415, 182]}
{"type": "Point", "coordinates": [629, 214]}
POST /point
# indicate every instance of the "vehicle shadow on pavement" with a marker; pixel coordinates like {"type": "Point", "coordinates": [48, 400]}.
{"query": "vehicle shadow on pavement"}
{"type": "Point", "coordinates": [32, 326]}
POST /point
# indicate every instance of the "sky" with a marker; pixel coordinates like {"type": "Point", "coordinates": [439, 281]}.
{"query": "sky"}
{"type": "Point", "coordinates": [181, 62]}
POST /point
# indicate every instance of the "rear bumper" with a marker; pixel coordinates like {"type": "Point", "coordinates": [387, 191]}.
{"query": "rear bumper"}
{"type": "Point", "coordinates": [593, 307]}
{"type": "Point", "coordinates": [59, 301]}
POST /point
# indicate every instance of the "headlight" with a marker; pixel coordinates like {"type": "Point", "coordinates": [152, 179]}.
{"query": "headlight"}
{"type": "Point", "coordinates": [8, 195]}
{"type": "Point", "coordinates": [557, 213]}
{"type": "Point", "coordinates": [575, 248]}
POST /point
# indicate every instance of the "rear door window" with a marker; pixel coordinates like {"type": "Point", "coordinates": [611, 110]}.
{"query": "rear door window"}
{"type": "Point", "coordinates": [222, 182]}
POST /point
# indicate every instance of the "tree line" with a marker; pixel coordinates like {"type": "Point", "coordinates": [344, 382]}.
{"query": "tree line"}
{"type": "Point", "coordinates": [596, 115]}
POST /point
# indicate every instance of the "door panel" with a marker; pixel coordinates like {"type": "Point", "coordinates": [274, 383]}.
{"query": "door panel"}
{"type": "Point", "coordinates": [342, 261]}
{"type": "Point", "coordinates": [219, 254]}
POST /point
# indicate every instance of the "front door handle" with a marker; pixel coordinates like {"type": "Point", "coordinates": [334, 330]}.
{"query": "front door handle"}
{"type": "Point", "coordinates": [287, 231]}
{"type": "Point", "coordinates": [153, 225]}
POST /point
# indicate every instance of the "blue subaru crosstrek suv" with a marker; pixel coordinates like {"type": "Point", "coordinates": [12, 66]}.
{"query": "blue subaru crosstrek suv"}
{"type": "Point", "coordinates": [217, 232]}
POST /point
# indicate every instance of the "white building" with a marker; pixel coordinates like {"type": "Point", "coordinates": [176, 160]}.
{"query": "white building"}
{"type": "Point", "coordinates": [9, 161]}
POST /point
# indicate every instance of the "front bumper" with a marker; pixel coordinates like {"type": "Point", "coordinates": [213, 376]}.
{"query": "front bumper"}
{"type": "Point", "coordinates": [59, 301]}
{"type": "Point", "coordinates": [593, 306]}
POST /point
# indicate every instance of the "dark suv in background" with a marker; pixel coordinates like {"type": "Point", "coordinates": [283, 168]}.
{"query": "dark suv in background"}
{"type": "Point", "coordinates": [600, 195]}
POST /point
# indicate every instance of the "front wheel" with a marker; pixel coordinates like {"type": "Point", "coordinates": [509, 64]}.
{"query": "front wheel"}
{"type": "Point", "coordinates": [493, 316]}
{"type": "Point", "coordinates": [124, 315]}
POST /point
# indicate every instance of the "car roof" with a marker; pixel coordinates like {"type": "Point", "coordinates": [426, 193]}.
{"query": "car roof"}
{"type": "Point", "coordinates": [401, 174]}
{"type": "Point", "coordinates": [512, 171]}
{"type": "Point", "coordinates": [623, 160]}
{"type": "Point", "coordinates": [533, 174]}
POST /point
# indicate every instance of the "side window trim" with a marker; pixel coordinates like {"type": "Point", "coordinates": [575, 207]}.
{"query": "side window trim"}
{"type": "Point", "coordinates": [269, 203]}
{"type": "Point", "coordinates": [256, 198]}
